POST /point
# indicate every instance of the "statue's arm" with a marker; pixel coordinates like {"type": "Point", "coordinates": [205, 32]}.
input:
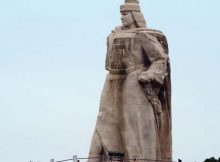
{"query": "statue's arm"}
{"type": "Point", "coordinates": [109, 44]}
{"type": "Point", "coordinates": [107, 55]}
{"type": "Point", "coordinates": [157, 58]}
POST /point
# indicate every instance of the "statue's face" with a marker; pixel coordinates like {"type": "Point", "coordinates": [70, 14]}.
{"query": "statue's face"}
{"type": "Point", "coordinates": [127, 19]}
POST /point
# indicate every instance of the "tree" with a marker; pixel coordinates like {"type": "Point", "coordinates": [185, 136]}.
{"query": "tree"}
{"type": "Point", "coordinates": [212, 159]}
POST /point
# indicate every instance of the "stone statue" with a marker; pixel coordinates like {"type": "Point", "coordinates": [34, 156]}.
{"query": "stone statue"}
{"type": "Point", "coordinates": [135, 108]}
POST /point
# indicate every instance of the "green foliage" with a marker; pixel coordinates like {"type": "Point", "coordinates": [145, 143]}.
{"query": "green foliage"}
{"type": "Point", "coordinates": [212, 159]}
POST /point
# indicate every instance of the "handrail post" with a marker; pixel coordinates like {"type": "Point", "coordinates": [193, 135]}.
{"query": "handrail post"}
{"type": "Point", "coordinates": [74, 158]}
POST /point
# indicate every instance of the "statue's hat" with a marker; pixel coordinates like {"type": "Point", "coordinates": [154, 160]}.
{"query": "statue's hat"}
{"type": "Point", "coordinates": [130, 5]}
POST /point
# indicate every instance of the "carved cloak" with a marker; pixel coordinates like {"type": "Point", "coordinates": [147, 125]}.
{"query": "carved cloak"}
{"type": "Point", "coordinates": [126, 121]}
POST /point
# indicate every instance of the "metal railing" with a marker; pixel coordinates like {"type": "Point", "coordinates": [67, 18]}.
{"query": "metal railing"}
{"type": "Point", "coordinates": [112, 159]}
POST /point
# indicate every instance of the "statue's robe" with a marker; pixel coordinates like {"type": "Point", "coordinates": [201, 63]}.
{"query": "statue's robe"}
{"type": "Point", "coordinates": [127, 121]}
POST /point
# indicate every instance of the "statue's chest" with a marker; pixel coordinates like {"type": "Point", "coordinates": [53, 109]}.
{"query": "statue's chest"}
{"type": "Point", "coordinates": [124, 51]}
{"type": "Point", "coordinates": [122, 46]}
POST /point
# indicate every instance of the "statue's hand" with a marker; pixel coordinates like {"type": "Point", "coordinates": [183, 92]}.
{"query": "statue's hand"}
{"type": "Point", "coordinates": [146, 76]}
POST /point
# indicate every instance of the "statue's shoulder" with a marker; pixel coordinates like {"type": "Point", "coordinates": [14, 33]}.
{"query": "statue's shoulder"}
{"type": "Point", "coordinates": [154, 35]}
{"type": "Point", "coordinates": [147, 33]}
{"type": "Point", "coordinates": [117, 30]}
{"type": "Point", "coordinates": [120, 32]}
{"type": "Point", "coordinates": [114, 32]}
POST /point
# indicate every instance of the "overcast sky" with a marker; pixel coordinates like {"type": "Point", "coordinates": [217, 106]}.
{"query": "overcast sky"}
{"type": "Point", "coordinates": [52, 55]}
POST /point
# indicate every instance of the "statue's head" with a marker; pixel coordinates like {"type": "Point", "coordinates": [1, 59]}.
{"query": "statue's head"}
{"type": "Point", "coordinates": [131, 15]}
